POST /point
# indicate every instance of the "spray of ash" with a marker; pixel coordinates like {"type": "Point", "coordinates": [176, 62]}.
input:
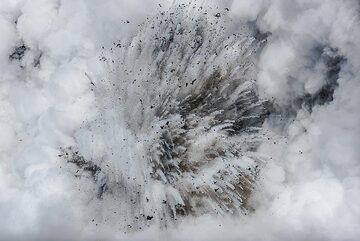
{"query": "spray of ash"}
{"type": "Point", "coordinates": [179, 119]}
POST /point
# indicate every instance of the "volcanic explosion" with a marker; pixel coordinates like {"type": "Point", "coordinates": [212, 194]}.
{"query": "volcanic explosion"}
{"type": "Point", "coordinates": [175, 120]}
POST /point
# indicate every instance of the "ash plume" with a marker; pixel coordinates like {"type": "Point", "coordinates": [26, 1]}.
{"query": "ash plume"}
{"type": "Point", "coordinates": [181, 119]}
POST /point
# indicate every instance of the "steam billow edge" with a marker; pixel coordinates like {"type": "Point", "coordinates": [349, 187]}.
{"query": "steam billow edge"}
{"type": "Point", "coordinates": [179, 120]}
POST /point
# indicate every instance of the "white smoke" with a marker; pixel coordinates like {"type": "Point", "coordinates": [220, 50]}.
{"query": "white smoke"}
{"type": "Point", "coordinates": [309, 189]}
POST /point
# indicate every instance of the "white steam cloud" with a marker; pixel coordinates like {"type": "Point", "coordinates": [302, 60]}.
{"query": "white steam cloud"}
{"type": "Point", "coordinates": [56, 90]}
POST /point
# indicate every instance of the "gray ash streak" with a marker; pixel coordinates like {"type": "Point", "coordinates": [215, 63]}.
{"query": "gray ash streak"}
{"type": "Point", "coordinates": [18, 53]}
{"type": "Point", "coordinates": [333, 62]}
{"type": "Point", "coordinates": [84, 166]}
{"type": "Point", "coordinates": [282, 116]}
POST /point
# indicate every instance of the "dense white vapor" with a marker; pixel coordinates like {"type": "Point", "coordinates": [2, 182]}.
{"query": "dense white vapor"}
{"type": "Point", "coordinates": [308, 190]}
